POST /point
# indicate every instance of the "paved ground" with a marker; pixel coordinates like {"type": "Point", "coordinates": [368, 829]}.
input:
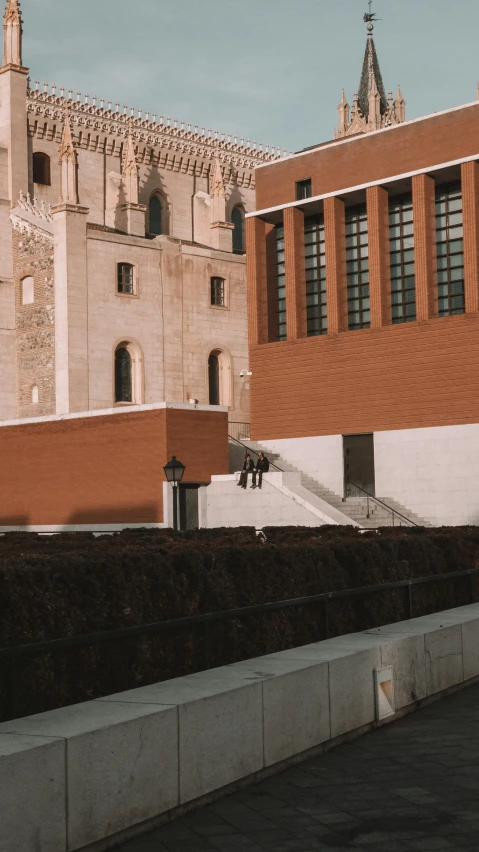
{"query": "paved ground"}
{"type": "Point", "coordinates": [412, 785]}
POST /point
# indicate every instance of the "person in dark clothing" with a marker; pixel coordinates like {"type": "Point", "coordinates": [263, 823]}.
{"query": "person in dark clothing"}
{"type": "Point", "coordinates": [248, 467]}
{"type": "Point", "coordinates": [262, 466]}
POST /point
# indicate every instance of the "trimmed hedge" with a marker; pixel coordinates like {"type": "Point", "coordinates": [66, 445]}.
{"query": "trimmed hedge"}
{"type": "Point", "coordinates": [58, 586]}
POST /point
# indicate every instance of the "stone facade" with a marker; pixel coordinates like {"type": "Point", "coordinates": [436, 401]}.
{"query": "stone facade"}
{"type": "Point", "coordinates": [85, 189]}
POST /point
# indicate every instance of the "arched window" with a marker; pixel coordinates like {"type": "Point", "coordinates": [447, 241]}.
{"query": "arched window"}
{"type": "Point", "coordinates": [123, 375]}
{"type": "Point", "coordinates": [219, 378]}
{"type": "Point", "coordinates": [237, 218]}
{"type": "Point", "coordinates": [156, 224]}
{"type": "Point", "coordinates": [41, 169]}
{"type": "Point", "coordinates": [35, 395]}
{"type": "Point", "coordinates": [214, 378]}
{"type": "Point", "coordinates": [128, 373]}
{"type": "Point", "coordinates": [126, 281]}
{"type": "Point", "coordinates": [28, 291]}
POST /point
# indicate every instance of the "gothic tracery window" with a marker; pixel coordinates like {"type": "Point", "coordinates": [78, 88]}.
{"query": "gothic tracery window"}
{"type": "Point", "coordinates": [123, 375]}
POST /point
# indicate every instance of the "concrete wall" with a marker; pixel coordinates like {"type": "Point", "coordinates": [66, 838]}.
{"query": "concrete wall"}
{"type": "Point", "coordinates": [282, 501]}
{"type": "Point", "coordinates": [103, 771]}
{"type": "Point", "coordinates": [105, 468]}
{"type": "Point", "coordinates": [321, 457]}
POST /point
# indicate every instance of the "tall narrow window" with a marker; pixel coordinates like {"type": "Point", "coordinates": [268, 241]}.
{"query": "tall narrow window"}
{"type": "Point", "coordinates": [401, 247]}
{"type": "Point", "coordinates": [357, 268]}
{"type": "Point", "coordinates": [450, 250]}
{"type": "Point", "coordinates": [218, 292]}
{"type": "Point", "coordinates": [237, 218]}
{"type": "Point", "coordinates": [123, 377]}
{"type": "Point", "coordinates": [281, 283]}
{"type": "Point", "coordinates": [155, 216]}
{"type": "Point", "coordinates": [125, 278]}
{"type": "Point", "coordinates": [28, 291]}
{"type": "Point", "coordinates": [303, 189]}
{"type": "Point", "coordinates": [315, 256]}
{"type": "Point", "coordinates": [214, 378]}
{"type": "Point", "coordinates": [41, 169]}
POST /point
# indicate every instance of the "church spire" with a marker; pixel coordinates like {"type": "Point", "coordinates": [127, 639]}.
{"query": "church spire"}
{"type": "Point", "coordinates": [371, 75]}
{"type": "Point", "coordinates": [12, 34]}
{"type": "Point", "coordinates": [371, 110]}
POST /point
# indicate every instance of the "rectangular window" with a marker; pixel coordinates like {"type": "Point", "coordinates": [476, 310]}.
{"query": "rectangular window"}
{"type": "Point", "coordinates": [125, 278]}
{"type": "Point", "coordinates": [401, 248]}
{"type": "Point", "coordinates": [357, 268]}
{"type": "Point", "coordinates": [281, 283]}
{"type": "Point", "coordinates": [315, 260]}
{"type": "Point", "coordinates": [303, 189]}
{"type": "Point", "coordinates": [450, 250]}
{"type": "Point", "coordinates": [218, 292]}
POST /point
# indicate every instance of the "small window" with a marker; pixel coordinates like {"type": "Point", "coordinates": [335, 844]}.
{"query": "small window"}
{"type": "Point", "coordinates": [218, 292]}
{"type": "Point", "coordinates": [28, 291]}
{"type": "Point", "coordinates": [41, 169]}
{"type": "Point", "coordinates": [214, 378]}
{"type": "Point", "coordinates": [237, 218]}
{"type": "Point", "coordinates": [303, 189]}
{"type": "Point", "coordinates": [123, 375]}
{"type": "Point", "coordinates": [125, 279]}
{"type": "Point", "coordinates": [155, 216]}
{"type": "Point", "coordinates": [35, 395]}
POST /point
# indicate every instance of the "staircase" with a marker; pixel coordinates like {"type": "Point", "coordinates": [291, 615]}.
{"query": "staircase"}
{"type": "Point", "coordinates": [365, 511]}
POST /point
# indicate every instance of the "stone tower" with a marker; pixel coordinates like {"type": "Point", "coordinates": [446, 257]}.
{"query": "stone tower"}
{"type": "Point", "coordinates": [372, 109]}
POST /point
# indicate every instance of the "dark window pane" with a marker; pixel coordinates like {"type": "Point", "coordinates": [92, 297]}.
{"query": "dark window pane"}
{"type": "Point", "coordinates": [123, 388]}
{"type": "Point", "coordinates": [218, 291]}
{"type": "Point", "coordinates": [125, 278]}
{"type": "Point", "coordinates": [237, 218]}
{"type": "Point", "coordinates": [214, 379]}
{"type": "Point", "coordinates": [303, 189]}
{"type": "Point", "coordinates": [41, 169]}
{"type": "Point", "coordinates": [156, 216]}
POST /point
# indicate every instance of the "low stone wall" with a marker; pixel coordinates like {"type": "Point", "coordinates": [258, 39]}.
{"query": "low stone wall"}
{"type": "Point", "coordinates": [92, 775]}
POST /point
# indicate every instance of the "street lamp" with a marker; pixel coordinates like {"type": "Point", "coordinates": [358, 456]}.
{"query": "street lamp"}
{"type": "Point", "coordinates": [174, 471]}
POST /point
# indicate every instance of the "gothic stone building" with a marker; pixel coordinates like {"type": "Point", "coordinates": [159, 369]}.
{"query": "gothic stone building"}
{"type": "Point", "coordinates": [124, 281]}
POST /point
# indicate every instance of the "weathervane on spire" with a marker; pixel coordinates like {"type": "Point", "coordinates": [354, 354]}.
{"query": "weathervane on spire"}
{"type": "Point", "coordinates": [370, 16]}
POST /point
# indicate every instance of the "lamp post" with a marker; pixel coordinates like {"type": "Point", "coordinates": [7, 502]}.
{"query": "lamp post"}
{"type": "Point", "coordinates": [174, 471]}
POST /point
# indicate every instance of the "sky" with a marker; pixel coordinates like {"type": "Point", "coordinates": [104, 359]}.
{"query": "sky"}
{"type": "Point", "coordinates": [267, 70]}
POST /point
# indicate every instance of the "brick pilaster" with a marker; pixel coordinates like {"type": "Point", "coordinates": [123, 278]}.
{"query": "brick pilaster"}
{"type": "Point", "coordinates": [335, 239]}
{"type": "Point", "coordinates": [295, 273]}
{"type": "Point", "coordinates": [470, 207]}
{"type": "Point", "coordinates": [377, 200]}
{"type": "Point", "coordinates": [257, 281]}
{"type": "Point", "coordinates": [423, 196]}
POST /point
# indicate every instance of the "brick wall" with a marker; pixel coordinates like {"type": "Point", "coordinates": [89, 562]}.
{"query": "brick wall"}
{"type": "Point", "coordinates": [395, 377]}
{"type": "Point", "coordinates": [402, 149]}
{"type": "Point", "coordinates": [104, 469]}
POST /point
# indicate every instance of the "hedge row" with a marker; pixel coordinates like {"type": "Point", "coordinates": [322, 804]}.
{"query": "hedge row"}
{"type": "Point", "coordinates": [58, 586]}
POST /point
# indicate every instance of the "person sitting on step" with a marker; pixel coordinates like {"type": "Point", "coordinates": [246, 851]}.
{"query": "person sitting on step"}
{"type": "Point", "coordinates": [248, 467]}
{"type": "Point", "coordinates": [262, 466]}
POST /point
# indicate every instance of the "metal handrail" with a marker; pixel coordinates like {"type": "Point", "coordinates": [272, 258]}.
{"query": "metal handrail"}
{"type": "Point", "coordinates": [13, 654]}
{"type": "Point", "coordinates": [382, 503]}
{"type": "Point", "coordinates": [249, 450]}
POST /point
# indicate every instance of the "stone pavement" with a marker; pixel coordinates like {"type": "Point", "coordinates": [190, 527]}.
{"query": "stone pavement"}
{"type": "Point", "coordinates": [411, 785]}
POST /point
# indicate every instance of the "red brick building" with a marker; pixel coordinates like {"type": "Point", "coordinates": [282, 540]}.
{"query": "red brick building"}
{"type": "Point", "coordinates": [363, 277]}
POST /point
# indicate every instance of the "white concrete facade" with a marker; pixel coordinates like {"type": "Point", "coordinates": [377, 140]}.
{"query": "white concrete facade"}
{"type": "Point", "coordinates": [433, 472]}
{"type": "Point", "coordinates": [95, 774]}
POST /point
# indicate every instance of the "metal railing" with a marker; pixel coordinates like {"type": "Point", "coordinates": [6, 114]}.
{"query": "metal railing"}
{"type": "Point", "coordinates": [252, 452]}
{"type": "Point", "coordinates": [394, 512]}
{"type": "Point", "coordinates": [239, 431]}
{"type": "Point", "coordinates": [11, 658]}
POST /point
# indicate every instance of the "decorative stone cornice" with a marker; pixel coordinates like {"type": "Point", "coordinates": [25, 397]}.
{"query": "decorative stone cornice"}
{"type": "Point", "coordinates": [89, 119]}
{"type": "Point", "coordinates": [23, 226]}
{"type": "Point", "coordinates": [40, 210]}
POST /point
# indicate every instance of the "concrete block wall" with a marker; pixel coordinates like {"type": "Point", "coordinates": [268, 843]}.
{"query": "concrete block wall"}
{"type": "Point", "coordinates": [92, 775]}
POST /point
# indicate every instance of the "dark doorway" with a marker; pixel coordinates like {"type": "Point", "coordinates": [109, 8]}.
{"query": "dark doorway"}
{"type": "Point", "coordinates": [189, 511]}
{"type": "Point", "coordinates": [358, 464]}
{"type": "Point", "coordinates": [214, 378]}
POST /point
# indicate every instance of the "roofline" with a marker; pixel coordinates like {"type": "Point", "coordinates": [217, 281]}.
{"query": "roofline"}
{"type": "Point", "coordinates": [348, 189]}
{"type": "Point", "coordinates": [348, 139]}
{"type": "Point", "coordinates": [123, 408]}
